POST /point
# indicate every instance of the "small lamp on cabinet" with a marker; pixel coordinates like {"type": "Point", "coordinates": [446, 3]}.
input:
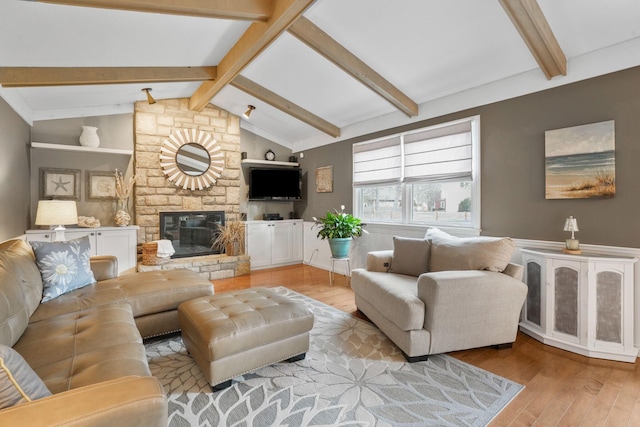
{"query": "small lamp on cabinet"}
{"type": "Point", "coordinates": [572, 244]}
{"type": "Point", "coordinates": [57, 213]}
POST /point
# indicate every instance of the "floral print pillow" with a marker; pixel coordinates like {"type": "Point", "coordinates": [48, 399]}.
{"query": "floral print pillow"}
{"type": "Point", "coordinates": [64, 266]}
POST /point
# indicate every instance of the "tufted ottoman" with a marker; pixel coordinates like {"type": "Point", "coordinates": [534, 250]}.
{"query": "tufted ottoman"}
{"type": "Point", "coordinates": [232, 333]}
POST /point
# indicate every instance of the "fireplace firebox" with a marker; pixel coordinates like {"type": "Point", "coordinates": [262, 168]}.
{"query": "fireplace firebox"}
{"type": "Point", "coordinates": [191, 232]}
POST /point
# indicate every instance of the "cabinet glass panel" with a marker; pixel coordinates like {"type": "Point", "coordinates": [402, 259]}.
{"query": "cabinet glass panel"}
{"type": "Point", "coordinates": [566, 301]}
{"type": "Point", "coordinates": [609, 306]}
{"type": "Point", "coordinates": [534, 281]}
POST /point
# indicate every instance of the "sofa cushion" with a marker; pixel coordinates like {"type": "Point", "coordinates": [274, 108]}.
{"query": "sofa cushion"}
{"type": "Point", "coordinates": [471, 253]}
{"type": "Point", "coordinates": [64, 266]}
{"type": "Point", "coordinates": [410, 256]}
{"type": "Point", "coordinates": [84, 348]}
{"type": "Point", "coordinates": [18, 383]}
{"type": "Point", "coordinates": [20, 287]}
{"type": "Point", "coordinates": [394, 295]}
{"type": "Point", "coordinates": [146, 292]}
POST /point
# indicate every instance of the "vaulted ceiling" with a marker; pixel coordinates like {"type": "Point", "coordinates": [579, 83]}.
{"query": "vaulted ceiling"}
{"type": "Point", "coordinates": [317, 71]}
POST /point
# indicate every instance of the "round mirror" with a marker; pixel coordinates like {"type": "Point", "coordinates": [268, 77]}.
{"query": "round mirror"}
{"type": "Point", "coordinates": [193, 159]}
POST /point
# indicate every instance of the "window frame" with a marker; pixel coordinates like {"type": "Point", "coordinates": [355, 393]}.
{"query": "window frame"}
{"type": "Point", "coordinates": [474, 225]}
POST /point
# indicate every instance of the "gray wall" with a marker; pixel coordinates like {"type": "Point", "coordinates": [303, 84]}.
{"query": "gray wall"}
{"type": "Point", "coordinates": [14, 173]}
{"type": "Point", "coordinates": [513, 176]}
{"type": "Point", "coordinates": [115, 131]}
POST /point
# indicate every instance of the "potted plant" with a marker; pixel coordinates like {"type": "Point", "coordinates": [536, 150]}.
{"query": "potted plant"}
{"type": "Point", "coordinates": [230, 238]}
{"type": "Point", "coordinates": [339, 228]}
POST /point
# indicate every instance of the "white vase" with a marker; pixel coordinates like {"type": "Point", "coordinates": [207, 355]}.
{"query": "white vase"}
{"type": "Point", "coordinates": [89, 137]}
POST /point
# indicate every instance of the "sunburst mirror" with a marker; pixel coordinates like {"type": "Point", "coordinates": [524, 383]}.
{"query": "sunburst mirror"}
{"type": "Point", "coordinates": [191, 159]}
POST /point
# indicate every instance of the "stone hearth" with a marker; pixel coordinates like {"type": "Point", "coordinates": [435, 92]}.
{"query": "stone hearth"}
{"type": "Point", "coordinates": [211, 267]}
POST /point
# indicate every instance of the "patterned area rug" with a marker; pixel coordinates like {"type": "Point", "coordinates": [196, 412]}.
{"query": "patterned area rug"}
{"type": "Point", "coordinates": [352, 376]}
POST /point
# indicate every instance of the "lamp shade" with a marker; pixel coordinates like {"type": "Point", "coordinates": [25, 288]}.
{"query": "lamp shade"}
{"type": "Point", "coordinates": [56, 212]}
{"type": "Point", "coordinates": [571, 224]}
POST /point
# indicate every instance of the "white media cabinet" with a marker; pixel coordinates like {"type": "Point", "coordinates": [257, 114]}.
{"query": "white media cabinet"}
{"type": "Point", "coordinates": [274, 243]}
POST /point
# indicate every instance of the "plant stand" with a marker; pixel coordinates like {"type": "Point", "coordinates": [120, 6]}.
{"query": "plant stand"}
{"type": "Point", "coordinates": [333, 265]}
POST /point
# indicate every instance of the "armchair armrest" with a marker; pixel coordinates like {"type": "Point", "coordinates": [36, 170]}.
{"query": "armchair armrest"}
{"type": "Point", "coordinates": [468, 309]}
{"type": "Point", "coordinates": [379, 261]}
{"type": "Point", "coordinates": [128, 401]}
{"type": "Point", "coordinates": [104, 267]}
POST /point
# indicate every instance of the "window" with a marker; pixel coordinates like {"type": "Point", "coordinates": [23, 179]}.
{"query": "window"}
{"type": "Point", "coordinates": [427, 176]}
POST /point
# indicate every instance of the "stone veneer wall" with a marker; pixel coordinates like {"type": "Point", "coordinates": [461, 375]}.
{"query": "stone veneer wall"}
{"type": "Point", "coordinates": [154, 193]}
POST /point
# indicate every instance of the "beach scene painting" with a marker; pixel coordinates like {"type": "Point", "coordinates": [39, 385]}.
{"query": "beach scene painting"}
{"type": "Point", "coordinates": [580, 162]}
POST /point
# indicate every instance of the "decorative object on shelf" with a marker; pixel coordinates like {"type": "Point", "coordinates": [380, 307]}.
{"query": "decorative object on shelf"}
{"type": "Point", "coordinates": [580, 162]}
{"type": "Point", "coordinates": [88, 222]}
{"type": "Point", "coordinates": [192, 159]}
{"type": "Point", "coordinates": [101, 185]}
{"type": "Point", "coordinates": [247, 114]}
{"type": "Point", "coordinates": [573, 245]}
{"type": "Point", "coordinates": [243, 155]}
{"type": "Point", "coordinates": [150, 99]}
{"type": "Point", "coordinates": [60, 184]}
{"type": "Point", "coordinates": [293, 159]}
{"type": "Point", "coordinates": [231, 238]}
{"type": "Point", "coordinates": [339, 228]}
{"type": "Point", "coordinates": [57, 213]}
{"type": "Point", "coordinates": [324, 179]}
{"type": "Point", "coordinates": [89, 137]}
{"type": "Point", "coordinates": [270, 155]}
{"type": "Point", "coordinates": [123, 191]}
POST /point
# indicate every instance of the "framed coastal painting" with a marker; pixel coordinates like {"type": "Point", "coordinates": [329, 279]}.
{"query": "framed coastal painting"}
{"type": "Point", "coordinates": [580, 162]}
{"type": "Point", "coordinates": [101, 185]}
{"type": "Point", "coordinates": [60, 184]}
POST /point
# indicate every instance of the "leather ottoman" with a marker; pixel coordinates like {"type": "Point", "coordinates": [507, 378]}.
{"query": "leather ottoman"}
{"type": "Point", "coordinates": [232, 333]}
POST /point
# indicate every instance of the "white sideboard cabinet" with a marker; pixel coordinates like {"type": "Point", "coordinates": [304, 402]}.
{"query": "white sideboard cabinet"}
{"type": "Point", "coordinates": [274, 243]}
{"type": "Point", "coordinates": [580, 303]}
{"type": "Point", "coordinates": [118, 241]}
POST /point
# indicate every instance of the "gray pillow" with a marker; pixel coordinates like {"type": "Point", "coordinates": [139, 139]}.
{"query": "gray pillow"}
{"type": "Point", "coordinates": [410, 256]}
{"type": "Point", "coordinates": [64, 266]}
{"type": "Point", "coordinates": [470, 253]}
{"type": "Point", "coordinates": [18, 382]}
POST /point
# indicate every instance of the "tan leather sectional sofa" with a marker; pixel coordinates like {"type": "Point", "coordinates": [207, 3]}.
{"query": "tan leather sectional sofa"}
{"type": "Point", "coordinates": [86, 345]}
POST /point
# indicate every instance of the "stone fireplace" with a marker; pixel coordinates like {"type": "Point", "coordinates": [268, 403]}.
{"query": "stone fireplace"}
{"type": "Point", "coordinates": [154, 193]}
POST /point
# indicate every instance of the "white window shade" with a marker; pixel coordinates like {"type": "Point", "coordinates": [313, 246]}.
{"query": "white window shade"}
{"type": "Point", "coordinates": [442, 154]}
{"type": "Point", "coordinates": [377, 162]}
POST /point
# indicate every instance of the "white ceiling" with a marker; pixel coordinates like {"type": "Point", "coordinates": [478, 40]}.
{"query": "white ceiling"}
{"type": "Point", "coordinates": [445, 55]}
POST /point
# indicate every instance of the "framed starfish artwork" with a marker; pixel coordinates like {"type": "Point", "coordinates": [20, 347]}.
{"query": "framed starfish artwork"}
{"type": "Point", "coordinates": [60, 184]}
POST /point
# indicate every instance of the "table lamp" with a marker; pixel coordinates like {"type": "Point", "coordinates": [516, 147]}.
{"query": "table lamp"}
{"type": "Point", "coordinates": [57, 213]}
{"type": "Point", "coordinates": [573, 245]}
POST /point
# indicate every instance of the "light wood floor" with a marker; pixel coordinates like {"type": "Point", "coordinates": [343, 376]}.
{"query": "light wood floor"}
{"type": "Point", "coordinates": [561, 388]}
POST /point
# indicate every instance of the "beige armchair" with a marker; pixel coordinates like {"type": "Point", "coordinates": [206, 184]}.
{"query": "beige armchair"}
{"type": "Point", "coordinates": [441, 311]}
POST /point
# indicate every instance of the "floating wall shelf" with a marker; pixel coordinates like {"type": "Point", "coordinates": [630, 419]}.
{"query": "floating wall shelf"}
{"type": "Point", "coordinates": [80, 148]}
{"type": "Point", "coordinates": [268, 162]}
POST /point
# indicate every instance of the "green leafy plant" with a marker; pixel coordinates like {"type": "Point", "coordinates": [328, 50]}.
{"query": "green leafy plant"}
{"type": "Point", "coordinates": [339, 224]}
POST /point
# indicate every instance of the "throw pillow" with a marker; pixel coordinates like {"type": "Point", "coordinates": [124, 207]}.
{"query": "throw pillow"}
{"type": "Point", "coordinates": [18, 382]}
{"type": "Point", "coordinates": [410, 256]}
{"type": "Point", "coordinates": [64, 266]}
{"type": "Point", "coordinates": [469, 253]}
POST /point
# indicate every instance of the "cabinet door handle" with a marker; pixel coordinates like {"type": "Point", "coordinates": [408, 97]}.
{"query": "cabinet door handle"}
{"type": "Point", "coordinates": [46, 236]}
{"type": "Point", "coordinates": [99, 234]}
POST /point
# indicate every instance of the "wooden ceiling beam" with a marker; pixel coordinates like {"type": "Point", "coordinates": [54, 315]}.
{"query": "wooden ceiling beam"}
{"type": "Point", "coordinates": [275, 100]}
{"type": "Point", "coordinates": [70, 76]}
{"type": "Point", "coordinates": [254, 41]}
{"type": "Point", "coordinates": [308, 33]}
{"type": "Point", "coordinates": [253, 10]}
{"type": "Point", "coordinates": [534, 29]}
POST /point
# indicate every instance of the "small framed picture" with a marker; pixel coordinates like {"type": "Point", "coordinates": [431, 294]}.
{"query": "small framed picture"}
{"type": "Point", "coordinates": [324, 179]}
{"type": "Point", "coordinates": [60, 184]}
{"type": "Point", "coordinates": [101, 185]}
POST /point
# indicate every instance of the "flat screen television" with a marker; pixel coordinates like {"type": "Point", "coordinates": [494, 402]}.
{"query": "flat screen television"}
{"type": "Point", "coordinates": [274, 184]}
